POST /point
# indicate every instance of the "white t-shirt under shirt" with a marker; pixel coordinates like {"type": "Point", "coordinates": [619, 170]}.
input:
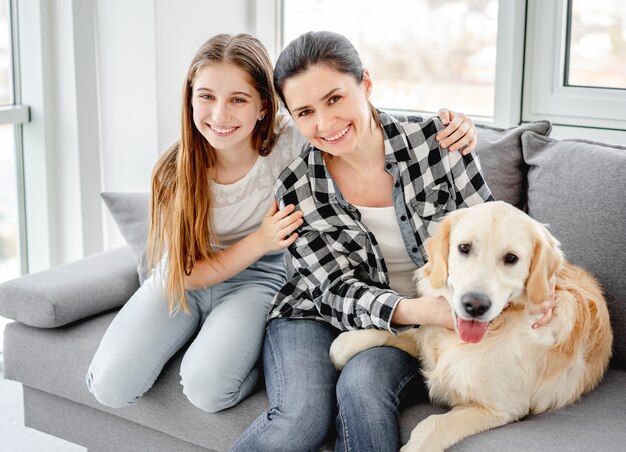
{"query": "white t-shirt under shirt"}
{"type": "Point", "coordinates": [240, 207]}
{"type": "Point", "coordinates": [383, 223]}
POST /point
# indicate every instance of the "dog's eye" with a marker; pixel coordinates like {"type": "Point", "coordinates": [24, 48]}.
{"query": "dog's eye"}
{"type": "Point", "coordinates": [510, 259]}
{"type": "Point", "coordinates": [465, 248]}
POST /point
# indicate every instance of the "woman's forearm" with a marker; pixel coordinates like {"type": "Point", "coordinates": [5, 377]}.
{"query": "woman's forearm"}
{"type": "Point", "coordinates": [423, 311]}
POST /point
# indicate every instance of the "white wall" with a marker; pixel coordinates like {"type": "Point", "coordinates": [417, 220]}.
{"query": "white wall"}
{"type": "Point", "coordinates": [61, 148]}
{"type": "Point", "coordinates": [126, 55]}
{"type": "Point", "coordinates": [181, 28]}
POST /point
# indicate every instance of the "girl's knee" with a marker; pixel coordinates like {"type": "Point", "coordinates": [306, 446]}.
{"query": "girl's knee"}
{"type": "Point", "coordinates": [111, 388]}
{"type": "Point", "coordinates": [206, 400]}
{"type": "Point", "coordinates": [209, 391]}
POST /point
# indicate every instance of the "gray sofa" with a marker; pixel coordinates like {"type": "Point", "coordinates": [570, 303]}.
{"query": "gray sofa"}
{"type": "Point", "coordinates": [577, 187]}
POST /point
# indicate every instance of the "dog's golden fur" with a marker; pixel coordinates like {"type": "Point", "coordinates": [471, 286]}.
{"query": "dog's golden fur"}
{"type": "Point", "coordinates": [514, 370]}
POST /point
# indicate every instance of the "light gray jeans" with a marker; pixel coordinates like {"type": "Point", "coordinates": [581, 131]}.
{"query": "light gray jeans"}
{"type": "Point", "coordinates": [219, 368]}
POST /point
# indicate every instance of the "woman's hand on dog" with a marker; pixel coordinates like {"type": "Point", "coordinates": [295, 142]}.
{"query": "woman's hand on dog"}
{"type": "Point", "coordinates": [547, 307]}
{"type": "Point", "coordinates": [424, 311]}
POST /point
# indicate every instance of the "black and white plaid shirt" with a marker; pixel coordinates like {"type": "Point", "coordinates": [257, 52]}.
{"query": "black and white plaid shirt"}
{"type": "Point", "coordinates": [341, 276]}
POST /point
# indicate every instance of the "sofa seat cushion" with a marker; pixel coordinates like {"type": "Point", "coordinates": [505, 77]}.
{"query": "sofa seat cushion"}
{"type": "Point", "coordinates": [595, 422]}
{"type": "Point", "coordinates": [56, 361]}
{"type": "Point", "coordinates": [578, 188]}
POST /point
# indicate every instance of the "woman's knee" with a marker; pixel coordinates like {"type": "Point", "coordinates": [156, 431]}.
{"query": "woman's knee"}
{"type": "Point", "coordinates": [309, 425]}
{"type": "Point", "coordinates": [299, 428]}
{"type": "Point", "coordinates": [377, 375]}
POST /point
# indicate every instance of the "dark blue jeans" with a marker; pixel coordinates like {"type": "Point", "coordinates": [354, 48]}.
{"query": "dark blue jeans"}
{"type": "Point", "coordinates": [306, 393]}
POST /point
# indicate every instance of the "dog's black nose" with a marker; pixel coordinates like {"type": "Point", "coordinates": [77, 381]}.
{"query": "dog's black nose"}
{"type": "Point", "coordinates": [475, 304]}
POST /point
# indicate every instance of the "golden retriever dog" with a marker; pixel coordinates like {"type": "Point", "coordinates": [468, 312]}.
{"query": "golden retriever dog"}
{"type": "Point", "coordinates": [493, 264]}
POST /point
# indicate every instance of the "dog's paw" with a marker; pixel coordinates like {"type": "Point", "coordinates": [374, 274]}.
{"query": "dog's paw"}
{"type": "Point", "coordinates": [424, 437]}
{"type": "Point", "coordinates": [343, 349]}
{"type": "Point", "coordinates": [413, 446]}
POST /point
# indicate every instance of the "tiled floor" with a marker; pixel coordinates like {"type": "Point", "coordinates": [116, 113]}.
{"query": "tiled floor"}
{"type": "Point", "coordinates": [14, 437]}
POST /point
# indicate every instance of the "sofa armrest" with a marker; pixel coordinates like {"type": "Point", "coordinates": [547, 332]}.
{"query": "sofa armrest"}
{"type": "Point", "coordinates": [70, 292]}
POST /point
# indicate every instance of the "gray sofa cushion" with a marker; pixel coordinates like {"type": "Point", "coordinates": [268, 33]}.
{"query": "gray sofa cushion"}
{"type": "Point", "coordinates": [500, 154]}
{"type": "Point", "coordinates": [63, 355]}
{"type": "Point", "coordinates": [131, 212]}
{"type": "Point", "coordinates": [70, 292]}
{"type": "Point", "coordinates": [578, 187]}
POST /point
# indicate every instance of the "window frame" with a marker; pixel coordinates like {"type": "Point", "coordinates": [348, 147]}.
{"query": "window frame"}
{"type": "Point", "coordinates": [546, 95]}
{"type": "Point", "coordinates": [17, 115]}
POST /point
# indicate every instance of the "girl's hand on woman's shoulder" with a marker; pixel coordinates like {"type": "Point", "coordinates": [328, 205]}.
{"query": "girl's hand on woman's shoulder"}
{"type": "Point", "coordinates": [277, 230]}
{"type": "Point", "coordinates": [460, 133]}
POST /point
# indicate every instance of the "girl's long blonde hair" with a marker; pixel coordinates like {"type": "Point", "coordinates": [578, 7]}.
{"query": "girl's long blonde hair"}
{"type": "Point", "coordinates": [181, 222]}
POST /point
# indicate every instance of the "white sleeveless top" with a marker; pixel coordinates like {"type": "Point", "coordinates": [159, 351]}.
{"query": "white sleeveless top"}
{"type": "Point", "coordinates": [241, 206]}
{"type": "Point", "coordinates": [383, 223]}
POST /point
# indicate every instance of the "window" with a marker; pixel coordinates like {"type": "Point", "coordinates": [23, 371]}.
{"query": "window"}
{"type": "Point", "coordinates": [596, 44]}
{"type": "Point", "coordinates": [560, 60]}
{"type": "Point", "coordinates": [9, 223]}
{"type": "Point", "coordinates": [12, 262]}
{"type": "Point", "coordinates": [422, 54]}
{"type": "Point", "coordinates": [6, 91]}
{"type": "Point", "coordinates": [575, 60]}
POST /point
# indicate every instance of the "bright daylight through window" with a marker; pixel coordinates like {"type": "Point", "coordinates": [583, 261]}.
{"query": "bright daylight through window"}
{"type": "Point", "coordinates": [429, 54]}
{"type": "Point", "coordinates": [9, 260]}
{"type": "Point", "coordinates": [597, 44]}
{"type": "Point", "coordinates": [9, 265]}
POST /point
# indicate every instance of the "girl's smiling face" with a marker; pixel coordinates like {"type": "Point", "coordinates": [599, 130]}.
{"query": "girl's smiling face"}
{"type": "Point", "coordinates": [226, 106]}
{"type": "Point", "coordinates": [330, 108]}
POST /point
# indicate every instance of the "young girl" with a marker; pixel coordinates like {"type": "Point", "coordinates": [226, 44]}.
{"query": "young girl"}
{"type": "Point", "coordinates": [216, 234]}
{"type": "Point", "coordinates": [216, 228]}
{"type": "Point", "coordinates": [372, 189]}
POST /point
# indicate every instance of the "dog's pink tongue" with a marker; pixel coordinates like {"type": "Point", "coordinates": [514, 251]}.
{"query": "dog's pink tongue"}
{"type": "Point", "coordinates": [472, 330]}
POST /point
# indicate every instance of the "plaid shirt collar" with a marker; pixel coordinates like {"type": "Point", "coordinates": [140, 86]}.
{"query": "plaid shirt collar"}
{"type": "Point", "coordinates": [322, 184]}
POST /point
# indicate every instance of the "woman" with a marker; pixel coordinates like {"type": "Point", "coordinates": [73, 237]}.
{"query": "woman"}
{"type": "Point", "coordinates": [372, 188]}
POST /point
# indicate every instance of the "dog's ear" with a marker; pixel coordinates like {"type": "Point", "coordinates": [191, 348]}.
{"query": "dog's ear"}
{"type": "Point", "coordinates": [546, 261]}
{"type": "Point", "coordinates": [437, 250]}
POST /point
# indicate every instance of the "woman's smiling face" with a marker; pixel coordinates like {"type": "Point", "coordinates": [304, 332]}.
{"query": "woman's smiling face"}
{"type": "Point", "coordinates": [330, 108]}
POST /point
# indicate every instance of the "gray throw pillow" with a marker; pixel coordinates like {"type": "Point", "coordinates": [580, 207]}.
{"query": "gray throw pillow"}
{"type": "Point", "coordinates": [578, 188]}
{"type": "Point", "coordinates": [131, 212]}
{"type": "Point", "coordinates": [500, 154]}
{"type": "Point", "coordinates": [66, 293]}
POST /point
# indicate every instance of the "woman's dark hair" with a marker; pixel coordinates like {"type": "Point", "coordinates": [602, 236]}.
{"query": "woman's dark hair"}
{"type": "Point", "coordinates": [318, 48]}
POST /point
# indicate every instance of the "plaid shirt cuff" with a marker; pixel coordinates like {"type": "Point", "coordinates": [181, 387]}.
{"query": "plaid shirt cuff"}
{"type": "Point", "coordinates": [381, 312]}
